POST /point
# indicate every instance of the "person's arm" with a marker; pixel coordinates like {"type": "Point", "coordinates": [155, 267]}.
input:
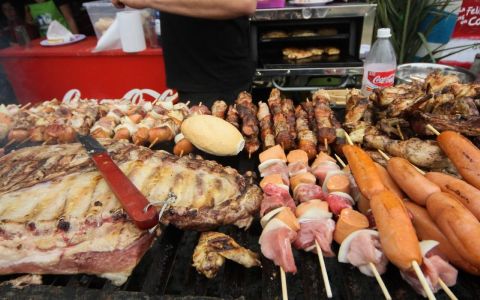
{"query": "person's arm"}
{"type": "Point", "coordinates": [67, 14]}
{"type": "Point", "coordinates": [208, 9]}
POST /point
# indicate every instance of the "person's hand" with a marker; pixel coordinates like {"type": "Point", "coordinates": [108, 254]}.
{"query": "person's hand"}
{"type": "Point", "coordinates": [138, 4]}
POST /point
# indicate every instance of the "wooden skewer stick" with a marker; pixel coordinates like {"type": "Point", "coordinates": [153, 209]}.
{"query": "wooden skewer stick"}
{"type": "Point", "coordinates": [25, 140]}
{"type": "Point", "coordinates": [400, 133]}
{"type": "Point", "coordinates": [447, 290]}
{"type": "Point", "coordinates": [26, 106]}
{"type": "Point", "coordinates": [188, 103]}
{"type": "Point", "coordinates": [326, 281]}
{"type": "Point", "coordinates": [9, 143]}
{"type": "Point", "coordinates": [326, 145]}
{"type": "Point", "coordinates": [349, 139]}
{"type": "Point", "coordinates": [387, 158]}
{"type": "Point", "coordinates": [283, 279]}
{"type": "Point", "coordinates": [153, 143]}
{"type": "Point", "coordinates": [181, 153]}
{"type": "Point", "coordinates": [46, 141]}
{"type": "Point", "coordinates": [249, 155]}
{"type": "Point", "coordinates": [380, 281]}
{"type": "Point", "coordinates": [383, 154]}
{"type": "Point", "coordinates": [340, 160]}
{"type": "Point", "coordinates": [432, 129]}
{"type": "Point", "coordinates": [423, 281]}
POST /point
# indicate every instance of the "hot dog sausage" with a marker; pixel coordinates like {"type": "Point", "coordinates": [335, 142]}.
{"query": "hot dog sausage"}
{"type": "Point", "coordinates": [464, 155]}
{"type": "Point", "coordinates": [458, 224]}
{"type": "Point", "coordinates": [466, 193]}
{"type": "Point", "coordinates": [388, 182]}
{"type": "Point", "coordinates": [397, 234]}
{"type": "Point", "coordinates": [414, 184]}
{"type": "Point", "coordinates": [427, 230]}
{"type": "Point", "coordinates": [363, 170]}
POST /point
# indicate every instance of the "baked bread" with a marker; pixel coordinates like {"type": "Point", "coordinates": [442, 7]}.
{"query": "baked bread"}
{"type": "Point", "coordinates": [213, 135]}
{"type": "Point", "coordinates": [332, 51]}
{"type": "Point", "coordinates": [303, 33]}
{"type": "Point", "coordinates": [274, 34]}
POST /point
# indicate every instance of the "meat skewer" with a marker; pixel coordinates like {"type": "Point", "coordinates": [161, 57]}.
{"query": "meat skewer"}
{"type": "Point", "coordinates": [219, 109]}
{"type": "Point", "coordinates": [323, 116]}
{"type": "Point", "coordinates": [312, 215]}
{"type": "Point", "coordinates": [307, 140]}
{"type": "Point", "coordinates": [266, 126]}
{"type": "Point", "coordinates": [279, 223]}
{"type": "Point", "coordinates": [280, 125]}
{"type": "Point", "coordinates": [247, 112]}
{"type": "Point", "coordinates": [289, 111]}
{"type": "Point", "coordinates": [232, 116]}
{"type": "Point", "coordinates": [366, 238]}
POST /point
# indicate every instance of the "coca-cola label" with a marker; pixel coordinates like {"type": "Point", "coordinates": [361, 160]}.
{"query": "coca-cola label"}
{"type": "Point", "coordinates": [381, 79]}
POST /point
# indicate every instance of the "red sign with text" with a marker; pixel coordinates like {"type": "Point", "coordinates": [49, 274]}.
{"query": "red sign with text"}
{"type": "Point", "coordinates": [468, 21]}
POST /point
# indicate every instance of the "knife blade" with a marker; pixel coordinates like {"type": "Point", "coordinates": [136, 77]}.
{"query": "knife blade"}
{"type": "Point", "coordinates": [132, 200]}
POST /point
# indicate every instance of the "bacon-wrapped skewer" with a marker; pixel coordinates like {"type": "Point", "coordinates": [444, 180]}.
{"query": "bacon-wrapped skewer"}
{"type": "Point", "coordinates": [247, 112]}
{"type": "Point", "coordinates": [307, 141]}
{"type": "Point", "coordinates": [200, 109]}
{"type": "Point", "coordinates": [219, 109]}
{"type": "Point", "coordinates": [288, 110]}
{"type": "Point", "coordinates": [105, 126]}
{"type": "Point", "coordinates": [280, 125]}
{"type": "Point", "coordinates": [326, 131]}
{"type": "Point", "coordinates": [309, 108]}
{"type": "Point", "coordinates": [266, 126]}
{"type": "Point", "coordinates": [232, 116]}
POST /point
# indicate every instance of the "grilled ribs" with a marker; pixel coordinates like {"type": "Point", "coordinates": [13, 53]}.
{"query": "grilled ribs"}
{"type": "Point", "coordinates": [58, 216]}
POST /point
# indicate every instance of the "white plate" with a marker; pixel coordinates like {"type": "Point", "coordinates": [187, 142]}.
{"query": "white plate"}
{"type": "Point", "coordinates": [76, 38]}
{"type": "Point", "coordinates": [309, 2]}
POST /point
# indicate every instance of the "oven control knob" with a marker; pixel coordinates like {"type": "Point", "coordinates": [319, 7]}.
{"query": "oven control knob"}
{"type": "Point", "coordinates": [306, 13]}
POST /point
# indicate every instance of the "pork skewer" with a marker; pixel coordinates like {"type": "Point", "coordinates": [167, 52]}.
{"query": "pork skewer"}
{"type": "Point", "coordinates": [307, 140]}
{"type": "Point", "coordinates": [247, 112]}
{"type": "Point", "coordinates": [266, 126]}
{"type": "Point", "coordinates": [219, 109]}
{"type": "Point", "coordinates": [280, 125]}
{"type": "Point", "coordinates": [323, 116]}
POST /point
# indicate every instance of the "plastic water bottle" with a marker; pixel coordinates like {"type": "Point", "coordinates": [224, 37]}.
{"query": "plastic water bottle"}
{"type": "Point", "coordinates": [158, 29]}
{"type": "Point", "coordinates": [380, 64]}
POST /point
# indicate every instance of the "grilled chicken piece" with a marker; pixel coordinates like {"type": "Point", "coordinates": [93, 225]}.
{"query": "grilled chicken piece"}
{"type": "Point", "coordinates": [386, 96]}
{"type": "Point", "coordinates": [356, 107]}
{"type": "Point", "coordinates": [464, 107]}
{"type": "Point", "coordinates": [469, 126]}
{"type": "Point", "coordinates": [419, 152]}
{"type": "Point", "coordinates": [464, 90]}
{"type": "Point", "coordinates": [212, 250]}
{"type": "Point", "coordinates": [436, 81]}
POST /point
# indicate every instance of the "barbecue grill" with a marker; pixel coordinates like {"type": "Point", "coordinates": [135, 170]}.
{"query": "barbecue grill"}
{"type": "Point", "coordinates": [165, 271]}
{"type": "Point", "coordinates": [352, 26]}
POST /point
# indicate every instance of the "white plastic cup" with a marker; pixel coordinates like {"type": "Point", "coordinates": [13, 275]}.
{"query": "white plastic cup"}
{"type": "Point", "coordinates": [131, 31]}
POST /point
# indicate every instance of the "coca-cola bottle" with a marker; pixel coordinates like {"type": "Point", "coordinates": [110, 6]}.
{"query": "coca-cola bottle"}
{"type": "Point", "coordinates": [380, 64]}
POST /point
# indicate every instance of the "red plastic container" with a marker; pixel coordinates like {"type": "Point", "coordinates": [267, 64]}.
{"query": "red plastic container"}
{"type": "Point", "coordinates": [270, 3]}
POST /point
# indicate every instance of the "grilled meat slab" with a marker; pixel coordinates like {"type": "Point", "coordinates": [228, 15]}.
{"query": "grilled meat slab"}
{"type": "Point", "coordinates": [212, 250]}
{"type": "Point", "coordinates": [58, 215]}
{"type": "Point", "coordinates": [469, 126]}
